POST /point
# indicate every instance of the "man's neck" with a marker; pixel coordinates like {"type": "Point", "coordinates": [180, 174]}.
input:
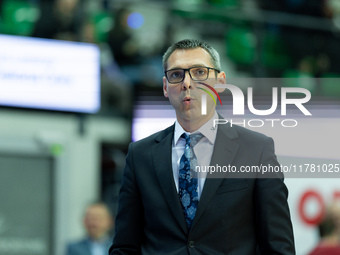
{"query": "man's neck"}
{"type": "Point", "coordinates": [193, 125]}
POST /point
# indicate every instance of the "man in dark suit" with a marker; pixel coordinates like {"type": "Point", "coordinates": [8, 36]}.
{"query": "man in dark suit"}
{"type": "Point", "coordinates": [165, 209]}
{"type": "Point", "coordinates": [98, 223]}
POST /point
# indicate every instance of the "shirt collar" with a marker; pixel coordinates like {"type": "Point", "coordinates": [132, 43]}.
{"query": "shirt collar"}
{"type": "Point", "coordinates": [208, 130]}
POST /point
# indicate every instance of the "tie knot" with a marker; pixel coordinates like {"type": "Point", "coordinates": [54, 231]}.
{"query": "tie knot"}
{"type": "Point", "coordinates": [192, 140]}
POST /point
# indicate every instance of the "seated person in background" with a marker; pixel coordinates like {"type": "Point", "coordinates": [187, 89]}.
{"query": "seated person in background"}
{"type": "Point", "coordinates": [329, 230]}
{"type": "Point", "coordinates": [59, 19]}
{"type": "Point", "coordinates": [98, 222]}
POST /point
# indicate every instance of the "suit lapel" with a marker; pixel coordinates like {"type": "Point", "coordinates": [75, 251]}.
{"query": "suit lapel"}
{"type": "Point", "coordinates": [224, 152]}
{"type": "Point", "coordinates": [162, 158]}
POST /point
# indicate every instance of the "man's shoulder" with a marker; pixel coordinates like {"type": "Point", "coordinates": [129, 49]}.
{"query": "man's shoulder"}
{"type": "Point", "coordinates": [77, 243]}
{"type": "Point", "coordinates": [246, 136]}
{"type": "Point", "coordinates": [247, 133]}
{"type": "Point", "coordinates": [240, 132]}
{"type": "Point", "coordinates": [77, 247]}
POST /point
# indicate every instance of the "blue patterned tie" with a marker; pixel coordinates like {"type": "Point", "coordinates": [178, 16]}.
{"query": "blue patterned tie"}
{"type": "Point", "coordinates": [187, 184]}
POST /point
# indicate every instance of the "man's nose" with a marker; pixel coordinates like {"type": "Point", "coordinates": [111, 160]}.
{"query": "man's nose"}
{"type": "Point", "coordinates": [186, 83]}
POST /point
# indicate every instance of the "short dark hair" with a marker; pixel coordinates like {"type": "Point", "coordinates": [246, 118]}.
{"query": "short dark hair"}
{"type": "Point", "coordinates": [192, 44]}
{"type": "Point", "coordinates": [327, 226]}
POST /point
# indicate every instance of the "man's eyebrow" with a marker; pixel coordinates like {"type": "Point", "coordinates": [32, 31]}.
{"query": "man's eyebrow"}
{"type": "Point", "coordinates": [195, 65]}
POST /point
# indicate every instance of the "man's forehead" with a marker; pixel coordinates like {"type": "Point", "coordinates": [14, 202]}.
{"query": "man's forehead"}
{"type": "Point", "coordinates": [189, 57]}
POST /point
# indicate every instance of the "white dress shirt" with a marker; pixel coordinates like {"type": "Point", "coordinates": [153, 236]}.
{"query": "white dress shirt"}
{"type": "Point", "coordinates": [203, 149]}
{"type": "Point", "coordinates": [98, 248]}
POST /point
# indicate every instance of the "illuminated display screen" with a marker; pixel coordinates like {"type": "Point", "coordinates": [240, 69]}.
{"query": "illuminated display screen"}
{"type": "Point", "coordinates": [49, 74]}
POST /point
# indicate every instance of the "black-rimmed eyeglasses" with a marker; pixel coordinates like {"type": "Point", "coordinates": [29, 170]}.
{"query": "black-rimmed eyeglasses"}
{"type": "Point", "coordinates": [200, 73]}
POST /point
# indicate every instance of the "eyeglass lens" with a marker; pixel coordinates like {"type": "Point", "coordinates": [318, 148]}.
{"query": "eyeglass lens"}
{"type": "Point", "coordinates": [196, 73]}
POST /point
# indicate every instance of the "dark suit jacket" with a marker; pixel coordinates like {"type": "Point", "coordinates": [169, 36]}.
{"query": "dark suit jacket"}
{"type": "Point", "coordinates": [82, 247]}
{"type": "Point", "coordinates": [239, 216]}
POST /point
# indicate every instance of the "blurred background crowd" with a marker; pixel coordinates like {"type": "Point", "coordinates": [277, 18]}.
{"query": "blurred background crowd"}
{"type": "Point", "coordinates": [255, 38]}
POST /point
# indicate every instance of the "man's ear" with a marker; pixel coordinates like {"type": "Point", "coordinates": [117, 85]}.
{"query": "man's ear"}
{"type": "Point", "coordinates": [165, 87]}
{"type": "Point", "coordinates": [221, 79]}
